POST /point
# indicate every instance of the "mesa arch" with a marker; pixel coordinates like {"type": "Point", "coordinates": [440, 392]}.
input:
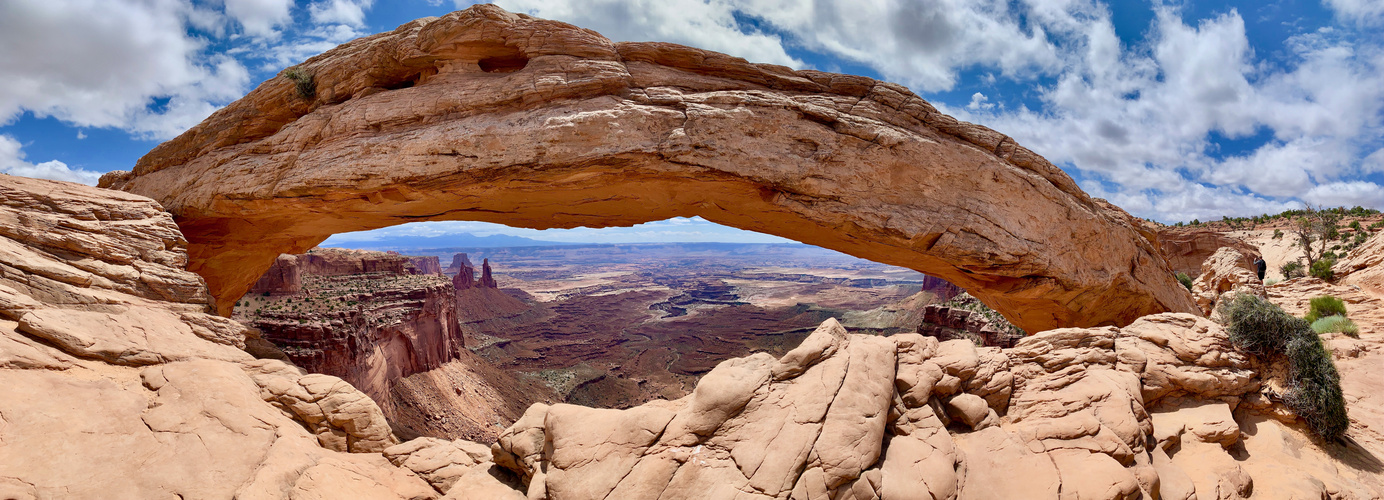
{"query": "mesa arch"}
{"type": "Point", "coordinates": [492, 116]}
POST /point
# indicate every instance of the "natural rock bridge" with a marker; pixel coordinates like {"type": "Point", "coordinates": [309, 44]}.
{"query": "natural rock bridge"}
{"type": "Point", "coordinates": [474, 116]}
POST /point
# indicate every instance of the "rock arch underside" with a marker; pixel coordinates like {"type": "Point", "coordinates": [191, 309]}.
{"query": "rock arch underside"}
{"type": "Point", "coordinates": [492, 116]}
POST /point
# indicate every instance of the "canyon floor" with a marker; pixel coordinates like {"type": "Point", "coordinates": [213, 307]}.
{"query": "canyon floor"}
{"type": "Point", "coordinates": [614, 326]}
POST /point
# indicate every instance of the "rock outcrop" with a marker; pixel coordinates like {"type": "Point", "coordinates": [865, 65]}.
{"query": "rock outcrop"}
{"type": "Point", "coordinates": [1226, 272]}
{"type": "Point", "coordinates": [116, 382]}
{"type": "Point", "coordinates": [1151, 410]}
{"type": "Point", "coordinates": [1186, 249]}
{"type": "Point", "coordinates": [488, 115]}
{"type": "Point", "coordinates": [426, 264]}
{"type": "Point", "coordinates": [486, 281]}
{"type": "Point", "coordinates": [362, 316]}
{"type": "Point", "coordinates": [950, 321]}
{"type": "Point", "coordinates": [1365, 265]}
{"type": "Point", "coordinates": [463, 273]}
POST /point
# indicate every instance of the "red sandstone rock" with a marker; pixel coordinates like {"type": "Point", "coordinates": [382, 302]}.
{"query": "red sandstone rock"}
{"type": "Point", "coordinates": [487, 281]}
{"type": "Point", "coordinates": [371, 320]}
{"type": "Point", "coordinates": [426, 265]}
{"type": "Point", "coordinates": [489, 115]}
{"type": "Point", "coordinates": [463, 273]}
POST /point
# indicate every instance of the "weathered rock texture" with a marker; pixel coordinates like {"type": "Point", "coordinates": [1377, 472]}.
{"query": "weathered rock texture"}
{"type": "Point", "coordinates": [1186, 249]}
{"type": "Point", "coordinates": [1228, 271]}
{"type": "Point", "coordinates": [116, 382]}
{"type": "Point", "coordinates": [1153, 410]}
{"type": "Point", "coordinates": [950, 321]}
{"type": "Point", "coordinates": [362, 316]}
{"type": "Point", "coordinates": [488, 115]}
{"type": "Point", "coordinates": [1365, 265]}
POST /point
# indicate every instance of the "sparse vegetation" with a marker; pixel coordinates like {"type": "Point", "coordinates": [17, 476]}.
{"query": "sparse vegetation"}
{"type": "Point", "coordinates": [1322, 269]}
{"type": "Point", "coordinates": [1324, 306]}
{"type": "Point", "coordinates": [1259, 327]}
{"type": "Point", "coordinates": [1184, 279]}
{"type": "Point", "coordinates": [1278, 234]}
{"type": "Point", "coordinates": [1291, 269]}
{"type": "Point", "coordinates": [1336, 324]}
{"type": "Point", "coordinates": [1314, 229]}
{"type": "Point", "coordinates": [303, 81]}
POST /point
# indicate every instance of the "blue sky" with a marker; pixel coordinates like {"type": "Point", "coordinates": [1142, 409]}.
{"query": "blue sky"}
{"type": "Point", "coordinates": [1172, 110]}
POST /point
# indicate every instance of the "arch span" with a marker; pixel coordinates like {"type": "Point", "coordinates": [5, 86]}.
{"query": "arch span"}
{"type": "Point", "coordinates": [492, 116]}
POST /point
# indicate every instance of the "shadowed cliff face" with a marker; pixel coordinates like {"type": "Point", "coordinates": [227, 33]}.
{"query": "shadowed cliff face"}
{"type": "Point", "coordinates": [487, 115]}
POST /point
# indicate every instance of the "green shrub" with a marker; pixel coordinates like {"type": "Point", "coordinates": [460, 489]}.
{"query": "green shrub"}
{"type": "Point", "coordinates": [1326, 305]}
{"type": "Point", "coordinates": [1261, 328]}
{"type": "Point", "coordinates": [1336, 324]}
{"type": "Point", "coordinates": [1278, 234]}
{"type": "Point", "coordinates": [1271, 282]}
{"type": "Point", "coordinates": [303, 81]}
{"type": "Point", "coordinates": [1184, 279]}
{"type": "Point", "coordinates": [1322, 269]}
{"type": "Point", "coordinates": [1291, 270]}
{"type": "Point", "coordinates": [1315, 391]}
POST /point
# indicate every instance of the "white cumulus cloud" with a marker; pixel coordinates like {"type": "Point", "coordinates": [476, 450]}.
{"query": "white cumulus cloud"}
{"type": "Point", "coordinates": [104, 63]}
{"type": "Point", "coordinates": [12, 163]}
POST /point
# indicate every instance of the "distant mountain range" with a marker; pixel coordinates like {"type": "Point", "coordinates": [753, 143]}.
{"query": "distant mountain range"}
{"type": "Point", "coordinates": [466, 240]}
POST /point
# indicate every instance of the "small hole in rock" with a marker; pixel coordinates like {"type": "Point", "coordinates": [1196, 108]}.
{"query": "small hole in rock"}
{"type": "Point", "coordinates": [503, 64]}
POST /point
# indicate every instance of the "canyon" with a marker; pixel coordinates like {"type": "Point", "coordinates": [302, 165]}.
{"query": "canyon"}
{"type": "Point", "coordinates": [610, 326]}
{"type": "Point", "coordinates": [101, 316]}
{"type": "Point", "coordinates": [123, 376]}
{"type": "Point", "coordinates": [384, 324]}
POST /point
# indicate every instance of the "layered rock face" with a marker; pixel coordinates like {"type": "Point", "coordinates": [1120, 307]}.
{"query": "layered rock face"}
{"type": "Point", "coordinates": [1187, 249]}
{"type": "Point", "coordinates": [350, 320]}
{"type": "Point", "coordinates": [949, 322]}
{"type": "Point", "coordinates": [1363, 268]}
{"type": "Point", "coordinates": [427, 264]}
{"type": "Point", "coordinates": [1154, 410]}
{"type": "Point", "coordinates": [115, 382]}
{"type": "Point", "coordinates": [488, 115]}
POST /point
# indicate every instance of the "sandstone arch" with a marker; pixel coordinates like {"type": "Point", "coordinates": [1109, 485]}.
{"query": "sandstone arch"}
{"type": "Point", "coordinates": [492, 116]}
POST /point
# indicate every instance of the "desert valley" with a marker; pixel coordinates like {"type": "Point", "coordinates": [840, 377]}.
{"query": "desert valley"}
{"type": "Point", "coordinates": [955, 317]}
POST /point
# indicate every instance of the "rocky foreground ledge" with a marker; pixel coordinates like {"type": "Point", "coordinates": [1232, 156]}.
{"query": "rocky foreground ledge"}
{"type": "Point", "coordinates": [116, 382]}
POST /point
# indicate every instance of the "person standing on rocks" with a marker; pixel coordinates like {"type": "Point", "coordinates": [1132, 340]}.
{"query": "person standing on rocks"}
{"type": "Point", "coordinates": [1260, 266]}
